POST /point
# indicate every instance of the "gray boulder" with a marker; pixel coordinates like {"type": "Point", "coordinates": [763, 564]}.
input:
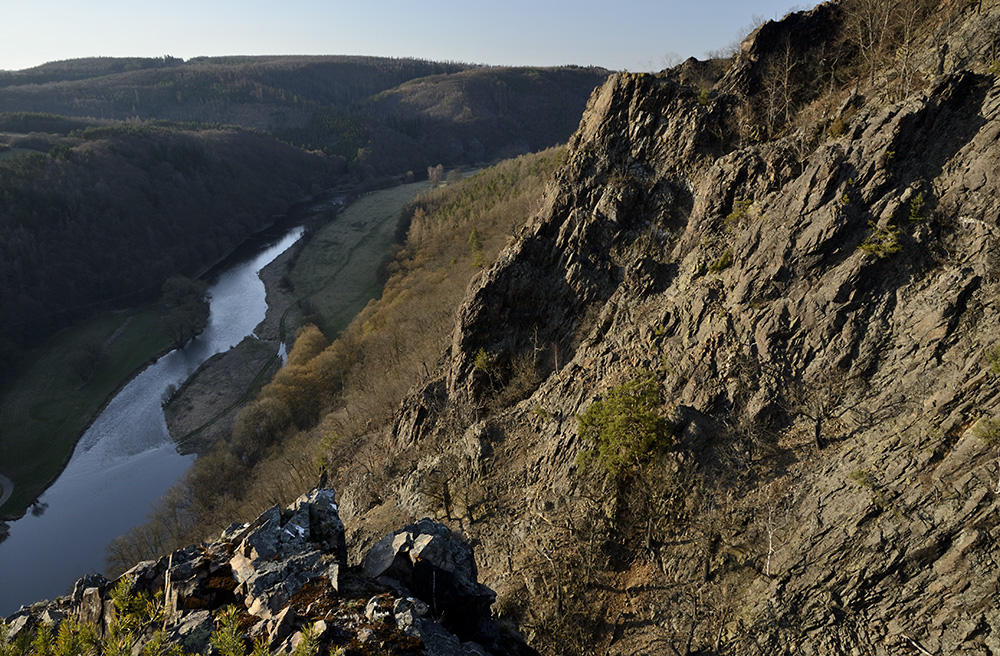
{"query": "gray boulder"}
{"type": "Point", "coordinates": [425, 561]}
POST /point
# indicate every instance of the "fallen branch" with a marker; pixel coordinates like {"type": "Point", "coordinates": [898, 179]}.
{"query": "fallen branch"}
{"type": "Point", "coordinates": [919, 647]}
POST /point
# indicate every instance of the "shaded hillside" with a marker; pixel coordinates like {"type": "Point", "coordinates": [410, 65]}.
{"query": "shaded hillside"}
{"type": "Point", "coordinates": [104, 216]}
{"type": "Point", "coordinates": [261, 92]}
{"type": "Point", "coordinates": [384, 116]}
{"type": "Point", "coordinates": [82, 69]}
{"type": "Point", "coordinates": [478, 115]}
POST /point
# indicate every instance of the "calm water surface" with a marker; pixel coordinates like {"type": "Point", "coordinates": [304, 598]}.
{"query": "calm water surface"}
{"type": "Point", "coordinates": [126, 460]}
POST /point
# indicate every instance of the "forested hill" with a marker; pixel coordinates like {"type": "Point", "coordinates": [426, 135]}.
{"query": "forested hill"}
{"type": "Point", "coordinates": [109, 212]}
{"type": "Point", "coordinates": [118, 172]}
{"type": "Point", "coordinates": [102, 82]}
{"type": "Point", "coordinates": [433, 113]}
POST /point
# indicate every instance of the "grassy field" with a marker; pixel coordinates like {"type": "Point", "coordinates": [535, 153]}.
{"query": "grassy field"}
{"type": "Point", "coordinates": [47, 407]}
{"type": "Point", "coordinates": [337, 271]}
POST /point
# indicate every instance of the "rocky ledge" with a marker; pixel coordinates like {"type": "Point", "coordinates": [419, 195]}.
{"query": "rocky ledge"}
{"type": "Point", "coordinates": [287, 576]}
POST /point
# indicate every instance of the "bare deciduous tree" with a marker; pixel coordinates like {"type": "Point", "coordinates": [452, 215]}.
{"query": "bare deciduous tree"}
{"type": "Point", "coordinates": [869, 26]}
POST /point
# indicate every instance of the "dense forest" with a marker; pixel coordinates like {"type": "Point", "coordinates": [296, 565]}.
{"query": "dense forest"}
{"type": "Point", "coordinates": [381, 116]}
{"type": "Point", "coordinates": [100, 216]}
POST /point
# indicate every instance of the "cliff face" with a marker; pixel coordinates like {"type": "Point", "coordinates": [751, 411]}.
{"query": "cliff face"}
{"type": "Point", "coordinates": [807, 268]}
{"type": "Point", "coordinates": [818, 307]}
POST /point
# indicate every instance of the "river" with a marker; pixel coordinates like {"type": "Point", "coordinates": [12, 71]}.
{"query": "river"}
{"type": "Point", "coordinates": [126, 459]}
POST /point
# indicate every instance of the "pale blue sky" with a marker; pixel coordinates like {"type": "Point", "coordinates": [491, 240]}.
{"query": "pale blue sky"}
{"type": "Point", "coordinates": [616, 34]}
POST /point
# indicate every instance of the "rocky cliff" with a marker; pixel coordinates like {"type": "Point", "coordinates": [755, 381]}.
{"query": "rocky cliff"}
{"type": "Point", "coordinates": [800, 262]}
{"type": "Point", "coordinates": [282, 584]}
{"type": "Point", "coordinates": [814, 290]}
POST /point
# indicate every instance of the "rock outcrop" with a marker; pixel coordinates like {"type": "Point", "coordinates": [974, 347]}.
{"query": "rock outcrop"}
{"type": "Point", "coordinates": [811, 279]}
{"type": "Point", "coordinates": [286, 574]}
{"type": "Point", "coordinates": [818, 301]}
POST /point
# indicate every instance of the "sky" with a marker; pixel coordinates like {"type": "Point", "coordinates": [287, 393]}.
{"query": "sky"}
{"type": "Point", "coordinates": [631, 35]}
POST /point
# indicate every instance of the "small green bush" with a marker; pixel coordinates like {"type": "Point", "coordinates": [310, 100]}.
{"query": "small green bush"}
{"type": "Point", "coordinates": [475, 240]}
{"type": "Point", "coordinates": [863, 478]}
{"type": "Point", "coordinates": [993, 357]}
{"type": "Point", "coordinates": [740, 213]}
{"type": "Point", "coordinates": [484, 361]}
{"type": "Point", "coordinates": [837, 128]}
{"type": "Point", "coordinates": [623, 429]}
{"type": "Point", "coordinates": [724, 262]}
{"type": "Point", "coordinates": [917, 207]}
{"type": "Point", "coordinates": [881, 242]}
{"type": "Point", "coordinates": [988, 430]}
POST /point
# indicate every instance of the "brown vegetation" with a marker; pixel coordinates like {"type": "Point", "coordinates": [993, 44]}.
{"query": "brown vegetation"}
{"type": "Point", "coordinates": [312, 416]}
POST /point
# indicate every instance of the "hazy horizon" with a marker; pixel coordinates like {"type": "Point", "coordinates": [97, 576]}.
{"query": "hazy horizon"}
{"type": "Point", "coordinates": [634, 35]}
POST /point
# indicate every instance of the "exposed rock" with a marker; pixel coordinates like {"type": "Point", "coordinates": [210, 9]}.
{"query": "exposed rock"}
{"type": "Point", "coordinates": [817, 306]}
{"type": "Point", "coordinates": [288, 567]}
{"type": "Point", "coordinates": [193, 631]}
{"type": "Point", "coordinates": [425, 561]}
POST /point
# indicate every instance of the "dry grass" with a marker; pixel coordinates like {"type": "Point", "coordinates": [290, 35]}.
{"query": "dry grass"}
{"type": "Point", "coordinates": [341, 395]}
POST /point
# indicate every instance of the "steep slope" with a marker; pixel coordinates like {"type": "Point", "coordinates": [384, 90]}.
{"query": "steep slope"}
{"type": "Point", "coordinates": [817, 304]}
{"type": "Point", "coordinates": [799, 273]}
{"type": "Point", "coordinates": [281, 585]}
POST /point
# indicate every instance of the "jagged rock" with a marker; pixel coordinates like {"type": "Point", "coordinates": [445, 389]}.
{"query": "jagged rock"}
{"type": "Point", "coordinates": [51, 617]}
{"type": "Point", "coordinates": [18, 624]}
{"type": "Point", "coordinates": [192, 631]}
{"type": "Point", "coordinates": [280, 552]}
{"type": "Point", "coordinates": [270, 584]}
{"type": "Point", "coordinates": [280, 627]}
{"type": "Point", "coordinates": [819, 304]}
{"type": "Point", "coordinates": [430, 564]}
{"type": "Point", "coordinates": [285, 568]}
{"type": "Point", "coordinates": [410, 617]}
{"type": "Point", "coordinates": [90, 608]}
{"type": "Point", "coordinates": [87, 599]}
{"type": "Point", "coordinates": [375, 612]}
{"type": "Point", "coordinates": [147, 575]}
{"type": "Point", "coordinates": [324, 522]}
{"type": "Point", "coordinates": [197, 577]}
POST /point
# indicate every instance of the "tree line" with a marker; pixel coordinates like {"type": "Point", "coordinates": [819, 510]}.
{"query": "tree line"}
{"type": "Point", "coordinates": [107, 215]}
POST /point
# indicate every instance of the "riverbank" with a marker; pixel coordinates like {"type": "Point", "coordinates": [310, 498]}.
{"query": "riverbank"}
{"type": "Point", "coordinates": [203, 410]}
{"type": "Point", "coordinates": [48, 408]}
{"type": "Point", "coordinates": [337, 273]}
